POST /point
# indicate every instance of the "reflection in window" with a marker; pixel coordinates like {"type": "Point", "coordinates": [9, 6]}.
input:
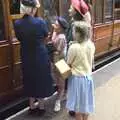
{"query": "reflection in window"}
{"type": "Point", "coordinates": [15, 6]}
{"type": "Point", "coordinates": [64, 7]}
{"type": "Point", "coordinates": [108, 10]}
{"type": "Point", "coordinates": [1, 22]}
{"type": "Point", "coordinates": [117, 3]}
{"type": "Point", "coordinates": [98, 11]}
{"type": "Point", "coordinates": [51, 10]}
{"type": "Point", "coordinates": [117, 9]}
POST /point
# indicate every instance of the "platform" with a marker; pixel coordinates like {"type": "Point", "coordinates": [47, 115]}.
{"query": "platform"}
{"type": "Point", "coordinates": [107, 94]}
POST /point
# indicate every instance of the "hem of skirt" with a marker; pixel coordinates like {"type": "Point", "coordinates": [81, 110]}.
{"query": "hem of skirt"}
{"type": "Point", "coordinates": [81, 111]}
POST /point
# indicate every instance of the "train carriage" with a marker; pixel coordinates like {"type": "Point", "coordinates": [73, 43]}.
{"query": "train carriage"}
{"type": "Point", "coordinates": [106, 36]}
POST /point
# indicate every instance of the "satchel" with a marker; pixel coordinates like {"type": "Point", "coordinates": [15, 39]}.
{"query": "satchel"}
{"type": "Point", "coordinates": [63, 68]}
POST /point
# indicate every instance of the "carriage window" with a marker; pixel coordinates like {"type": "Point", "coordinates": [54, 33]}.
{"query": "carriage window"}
{"type": "Point", "coordinates": [98, 11]}
{"type": "Point", "coordinates": [64, 6]}
{"type": "Point", "coordinates": [117, 9]}
{"type": "Point", "coordinates": [51, 10]}
{"type": "Point", "coordinates": [1, 23]}
{"type": "Point", "coordinates": [15, 6]}
{"type": "Point", "coordinates": [108, 10]}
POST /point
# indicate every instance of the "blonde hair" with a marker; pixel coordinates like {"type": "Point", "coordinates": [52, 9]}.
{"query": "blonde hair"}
{"type": "Point", "coordinates": [82, 31]}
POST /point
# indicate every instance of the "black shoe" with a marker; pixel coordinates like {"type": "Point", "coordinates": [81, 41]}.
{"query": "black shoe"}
{"type": "Point", "coordinates": [41, 112]}
{"type": "Point", "coordinates": [72, 113]}
{"type": "Point", "coordinates": [32, 111]}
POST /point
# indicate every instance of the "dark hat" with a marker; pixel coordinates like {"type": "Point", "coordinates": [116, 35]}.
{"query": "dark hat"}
{"type": "Point", "coordinates": [29, 3]}
{"type": "Point", "coordinates": [62, 22]}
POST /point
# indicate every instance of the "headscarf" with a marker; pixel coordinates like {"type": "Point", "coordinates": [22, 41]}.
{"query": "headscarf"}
{"type": "Point", "coordinates": [26, 6]}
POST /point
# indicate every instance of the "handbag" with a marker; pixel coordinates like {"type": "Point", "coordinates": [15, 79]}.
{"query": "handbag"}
{"type": "Point", "coordinates": [63, 68]}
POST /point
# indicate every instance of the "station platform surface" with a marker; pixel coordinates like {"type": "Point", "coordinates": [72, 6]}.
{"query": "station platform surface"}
{"type": "Point", "coordinates": [107, 98]}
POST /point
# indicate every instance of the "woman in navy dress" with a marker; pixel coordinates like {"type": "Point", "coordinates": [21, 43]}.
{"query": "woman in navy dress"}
{"type": "Point", "coordinates": [31, 32]}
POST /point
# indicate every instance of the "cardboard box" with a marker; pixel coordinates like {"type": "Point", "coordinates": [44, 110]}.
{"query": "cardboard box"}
{"type": "Point", "coordinates": [63, 68]}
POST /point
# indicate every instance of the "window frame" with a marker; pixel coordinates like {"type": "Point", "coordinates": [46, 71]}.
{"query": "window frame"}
{"type": "Point", "coordinates": [103, 14]}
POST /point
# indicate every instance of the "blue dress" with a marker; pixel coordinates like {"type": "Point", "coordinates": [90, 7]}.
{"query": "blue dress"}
{"type": "Point", "coordinates": [37, 79]}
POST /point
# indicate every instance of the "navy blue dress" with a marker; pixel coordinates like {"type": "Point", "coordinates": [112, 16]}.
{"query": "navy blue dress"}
{"type": "Point", "coordinates": [37, 79]}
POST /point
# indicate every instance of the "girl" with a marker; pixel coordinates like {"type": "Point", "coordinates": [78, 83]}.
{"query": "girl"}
{"type": "Point", "coordinates": [80, 96]}
{"type": "Point", "coordinates": [60, 43]}
{"type": "Point", "coordinates": [78, 11]}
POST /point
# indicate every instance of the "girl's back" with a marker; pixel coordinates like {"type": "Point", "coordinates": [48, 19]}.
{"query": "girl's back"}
{"type": "Point", "coordinates": [83, 55]}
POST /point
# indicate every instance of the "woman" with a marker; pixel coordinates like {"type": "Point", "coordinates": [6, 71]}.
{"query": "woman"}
{"type": "Point", "coordinates": [80, 97]}
{"type": "Point", "coordinates": [31, 32]}
{"type": "Point", "coordinates": [78, 11]}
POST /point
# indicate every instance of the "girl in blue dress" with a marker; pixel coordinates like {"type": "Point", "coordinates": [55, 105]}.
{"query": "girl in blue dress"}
{"type": "Point", "coordinates": [80, 96]}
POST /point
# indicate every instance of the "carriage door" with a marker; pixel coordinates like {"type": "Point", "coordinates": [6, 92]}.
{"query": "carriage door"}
{"type": "Point", "coordinates": [116, 32]}
{"type": "Point", "coordinates": [5, 58]}
{"type": "Point", "coordinates": [13, 14]}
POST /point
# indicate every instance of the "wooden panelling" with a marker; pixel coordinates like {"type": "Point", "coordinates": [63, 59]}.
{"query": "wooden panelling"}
{"type": "Point", "coordinates": [103, 31]}
{"type": "Point", "coordinates": [102, 45]}
{"type": "Point", "coordinates": [16, 52]}
{"type": "Point", "coordinates": [117, 28]}
{"type": "Point", "coordinates": [17, 75]}
{"type": "Point", "coordinates": [116, 40]}
{"type": "Point", "coordinates": [4, 51]}
{"type": "Point", "coordinates": [5, 82]}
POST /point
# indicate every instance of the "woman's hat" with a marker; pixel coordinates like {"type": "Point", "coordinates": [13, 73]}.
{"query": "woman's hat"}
{"type": "Point", "coordinates": [80, 6]}
{"type": "Point", "coordinates": [31, 3]}
{"type": "Point", "coordinates": [62, 22]}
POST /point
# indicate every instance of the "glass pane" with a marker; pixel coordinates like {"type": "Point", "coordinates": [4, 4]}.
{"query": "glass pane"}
{"type": "Point", "coordinates": [1, 22]}
{"type": "Point", "coordinates": [64, 7]}
{"type": "Point", "coordinates": [117, 3]}
{"type": "Point", "coordinates": [15, 6]}
{"type": "Point", "coordinates": [117, 9]}
{"type": "Point", "coordinates": [98, 11]}
{"type": "Point", "coordinates": [108, 10]}
{"type": "Point", "coordinates": [51, 10]}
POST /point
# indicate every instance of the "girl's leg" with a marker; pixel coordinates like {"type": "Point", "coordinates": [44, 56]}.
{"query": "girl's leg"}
{"type": "Point", "coordinates": [60, 84]}
{"type": "Point", "coordinates": [85, 116]}
{"type": "Point", "coordinates": [78, 116]}
{"type": "Point", "coordinates": [31, 103]}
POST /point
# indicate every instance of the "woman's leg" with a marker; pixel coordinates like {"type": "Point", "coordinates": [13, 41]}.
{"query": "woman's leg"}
{"type": "Point", "coordinates": [31, 103]}
{"type": "Point", "coordinates": [78, 116]}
